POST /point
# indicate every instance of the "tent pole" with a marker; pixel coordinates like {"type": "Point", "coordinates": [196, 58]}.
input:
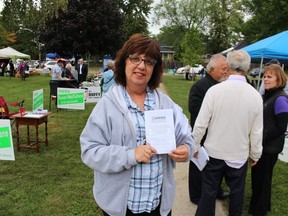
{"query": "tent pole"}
{"type": "Point", "coordinates": [259, 76]}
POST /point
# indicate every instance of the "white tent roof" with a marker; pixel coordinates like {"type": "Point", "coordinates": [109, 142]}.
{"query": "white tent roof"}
{"type": "Point", "coordinates": [227, 50]}
{"type": "Point", "coordinates": [13, 54]}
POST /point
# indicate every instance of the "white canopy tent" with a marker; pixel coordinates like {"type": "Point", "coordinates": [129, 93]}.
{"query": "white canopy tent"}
{"type": "Point", "coordinates": [13, 54]}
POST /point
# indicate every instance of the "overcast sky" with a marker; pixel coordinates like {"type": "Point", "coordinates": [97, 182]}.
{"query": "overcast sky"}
{"type": "Point", "coordinates": [154, 29]}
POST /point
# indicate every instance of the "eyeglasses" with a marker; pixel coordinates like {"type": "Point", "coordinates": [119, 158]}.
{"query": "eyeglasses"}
{"type": "Point", "coordinates": [135, 59]}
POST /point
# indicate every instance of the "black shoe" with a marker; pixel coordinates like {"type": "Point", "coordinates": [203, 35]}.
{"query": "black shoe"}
{"type": "Point", "coordinates": [223, 196]}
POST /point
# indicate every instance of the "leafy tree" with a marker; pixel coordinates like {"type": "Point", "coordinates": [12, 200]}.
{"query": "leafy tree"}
{"type": "Point", "coordinates": [86, 26]}
{"type": "Point", "coordinates": [10, 15]}
{"type": "Point", "coordinates": [186, 14]}
{"type": "Point", "coordinates": [49, 8]}
{"type": "Point", "coordinates": [21, 19]}
{"type": "Point", "coordinates": [6, 38]}
{"type": "Point", "coordinates": [267, 18]}
{"type": "Point", "coordinates": [171, 36]}
{"type": "Point", "coordinates": [135, 14]}
{"type": "Point", "coordinates": [72, 24]}
{"type": "Point", "coordinates": [216, 21]}
{"type": "Point", "coordinates": [191, 53]}
{"type": "Point", "coordinates": [18, 14]}
{"type": "Point", "coordinates": [183, 17]}
{"type": "Point", "coordinates": [224, 21]}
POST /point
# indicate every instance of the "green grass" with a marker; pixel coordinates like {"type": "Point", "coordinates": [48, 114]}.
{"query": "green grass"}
{"type": "Point", "coordinates": [178, 89]}
{"type": "Point", "coordinates": [55, 181]}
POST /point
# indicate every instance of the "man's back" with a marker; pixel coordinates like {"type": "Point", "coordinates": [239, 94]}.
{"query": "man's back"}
{"type": "Point", "coordinates": [196, 96]}
{"type": "Point", "coordinates": [234, 111]}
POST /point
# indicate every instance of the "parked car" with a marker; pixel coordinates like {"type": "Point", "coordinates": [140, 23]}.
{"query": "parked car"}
{"type": "Point", "coordinates": [50, 65]}
{"type": "Point", "coordinates": [32, 64]}
{"type": "Point", "coordinates": [195, 69]}
{"type": "Point", "coordinates": [36, 63]}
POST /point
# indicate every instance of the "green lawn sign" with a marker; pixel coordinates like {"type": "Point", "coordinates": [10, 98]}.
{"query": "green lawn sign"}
{"type": "Point", "coordinates": [6, 142]}
{"type": "Point", "coordinates": [71, 98]}
{"type": "Point", "coordinates": [38, 100]}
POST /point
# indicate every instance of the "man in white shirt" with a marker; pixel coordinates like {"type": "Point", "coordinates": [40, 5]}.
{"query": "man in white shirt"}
{"type": "Point", "coordinates": [217, 71]}
{"type": "Point", "coordinates": [232, 111]}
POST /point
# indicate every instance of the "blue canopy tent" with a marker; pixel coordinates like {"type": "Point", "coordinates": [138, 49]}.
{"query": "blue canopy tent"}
{"type": "Point", "coordinates": [274, 47]}
{"type": "Point", "coordinates": [52, 55]}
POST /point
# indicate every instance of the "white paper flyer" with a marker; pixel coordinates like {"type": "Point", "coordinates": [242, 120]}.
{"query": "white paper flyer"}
{"type": "Point", "coordinates": [160, 132]}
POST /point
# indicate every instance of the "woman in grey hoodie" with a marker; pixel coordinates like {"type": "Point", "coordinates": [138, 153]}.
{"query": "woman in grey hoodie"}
{"type": "Point", "coordinates": [130, 178]}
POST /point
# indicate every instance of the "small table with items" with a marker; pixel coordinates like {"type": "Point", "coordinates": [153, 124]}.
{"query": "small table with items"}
{"type": "Point", "coordinates": [31, 120]}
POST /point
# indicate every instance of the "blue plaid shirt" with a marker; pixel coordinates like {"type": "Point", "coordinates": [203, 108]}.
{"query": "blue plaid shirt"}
{"type": "Point", "coordinates": [146, 182]}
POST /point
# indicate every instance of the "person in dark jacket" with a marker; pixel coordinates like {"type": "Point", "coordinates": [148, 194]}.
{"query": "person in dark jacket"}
{"type": "Point", "coordinates": [217, 71]}
{"type": "Point", "coordinates": [275, 124]}
{"type": "Point", "coordinates": [82, 70]}
{"type": "Point", "coordinates": [12, 68]}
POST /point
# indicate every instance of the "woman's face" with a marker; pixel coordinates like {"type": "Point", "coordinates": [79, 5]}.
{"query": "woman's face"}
{"type": "Point", "coordinates": [139, 70]}
{"type": "Point", "coordinates": [270, 80]}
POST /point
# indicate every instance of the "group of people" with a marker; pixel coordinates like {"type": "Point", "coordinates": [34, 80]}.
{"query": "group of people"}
{"type": "Point", "coordinates": [64, 69]}
{"type": "Point", "coordinates": [234, 124]}
{"type": "Point", "coordinates": [131, 178]}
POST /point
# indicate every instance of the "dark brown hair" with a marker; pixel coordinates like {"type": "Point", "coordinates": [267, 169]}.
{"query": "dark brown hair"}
{"type": "Point", "coordinates": [139, 44]}
{"type": "Point", "coordinates": [278, 72]}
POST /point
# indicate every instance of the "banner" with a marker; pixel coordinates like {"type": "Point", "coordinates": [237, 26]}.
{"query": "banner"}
{"type": "Point", "coordinates": [92, 94]}
{"type": "Point", "coordinates": [70, 98]}
{"type": "Point", "coordinates": [6, 142]}
{"type": "Point", "coordinates": [38, 100]}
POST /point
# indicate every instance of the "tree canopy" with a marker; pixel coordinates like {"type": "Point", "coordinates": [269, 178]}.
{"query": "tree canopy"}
{"type": "Point", "coordinates": [267, 18]}
{"type": "Point", "coordinates": [72, 26]}
{"type": "Point", "coordinates": [135, 14]}
{"type": "Point", "coordinates": [203, 26]}
{"type": "Point", "coordinates": [80, 30]}
{"type": "Point", "coordinates": [192, 27]}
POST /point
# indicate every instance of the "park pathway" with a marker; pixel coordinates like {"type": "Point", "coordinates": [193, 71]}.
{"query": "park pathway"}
{"type": "Point", "coordinates": [182, 205]}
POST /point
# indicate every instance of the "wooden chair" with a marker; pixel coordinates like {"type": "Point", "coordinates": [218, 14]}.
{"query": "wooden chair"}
{"type": "Point", "coordinates": [53, 93]}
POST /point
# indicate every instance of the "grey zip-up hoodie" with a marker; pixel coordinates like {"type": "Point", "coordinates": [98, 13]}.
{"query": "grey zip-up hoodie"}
{"type": "Point", "coordinates": [107, 145]}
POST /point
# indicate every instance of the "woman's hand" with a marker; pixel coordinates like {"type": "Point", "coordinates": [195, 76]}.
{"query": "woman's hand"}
{"type": "Point", "coordinates": [180, 154]}
{"type": "Point", "coordinates": [143, 153]}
